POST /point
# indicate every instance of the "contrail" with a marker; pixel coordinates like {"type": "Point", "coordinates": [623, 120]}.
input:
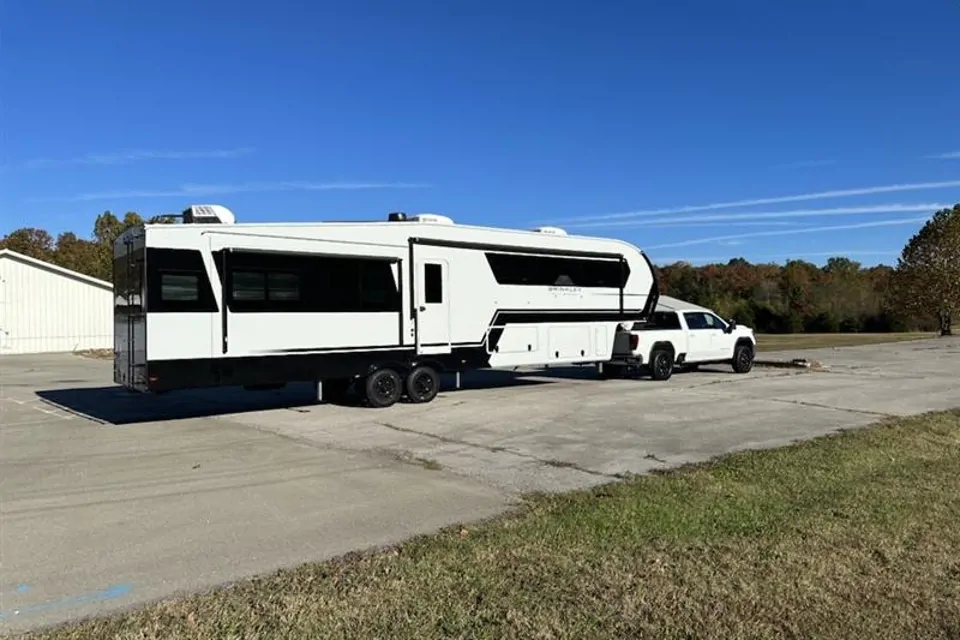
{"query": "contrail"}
{"type": "Point", "coordinates": [819, 195]}
{"type": "Point", "coordinates": [796, 213]}
{"type": "Point", "coordinates": [788, 232]}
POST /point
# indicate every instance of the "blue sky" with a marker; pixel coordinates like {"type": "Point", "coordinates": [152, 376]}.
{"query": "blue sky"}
{"type": "Point", "coordinates": [663, 123]}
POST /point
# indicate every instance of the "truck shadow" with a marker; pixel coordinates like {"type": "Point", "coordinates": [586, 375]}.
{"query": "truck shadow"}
{"type": "Point", "coordinates": [114, 405]}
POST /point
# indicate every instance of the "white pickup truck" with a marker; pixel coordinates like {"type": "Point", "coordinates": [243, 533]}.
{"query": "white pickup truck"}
{"type": "Point", "coordinates": [686, 336]}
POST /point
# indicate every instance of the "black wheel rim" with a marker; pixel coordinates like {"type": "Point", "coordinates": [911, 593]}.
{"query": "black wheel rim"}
{"type": "Point", "coordinates": [662, 365]}
{"type": "Point", "coordinates": [385, 386]}
{"type": "Point", "coordinates": [423, 385]}
{"type": "Point", "coordinates": [744, 358]}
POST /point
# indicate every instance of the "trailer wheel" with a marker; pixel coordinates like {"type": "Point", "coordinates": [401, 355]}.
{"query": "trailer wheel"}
{"type": "Point", "coordinates": [661, 364]}
{"type": "Point", "coordinates": [382, 388]}
{"type": "Point", "coordinates": [742, 358]}
{"type": "Point", "coordinates": [422, 384]}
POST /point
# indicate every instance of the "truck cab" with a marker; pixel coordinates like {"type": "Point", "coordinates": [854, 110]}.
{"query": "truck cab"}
{"type": "Point", "coordinates": [681, 334]}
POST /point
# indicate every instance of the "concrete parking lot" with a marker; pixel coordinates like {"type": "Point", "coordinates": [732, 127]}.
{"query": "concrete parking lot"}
{"type": "Point", "coordinates": [109, 499]}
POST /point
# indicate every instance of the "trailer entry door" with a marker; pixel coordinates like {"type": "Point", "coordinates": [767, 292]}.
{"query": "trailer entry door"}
{"type": "Point", "coordinates": [432, 304]}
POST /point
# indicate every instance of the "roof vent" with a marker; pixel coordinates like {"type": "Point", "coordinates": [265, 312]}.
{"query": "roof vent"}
{"type": "Point", "coordinates": [554, 231]}
{"type": "Point", "coordinates": [208, 214]}
{"type": "Point", "coordinates": [431, 218]}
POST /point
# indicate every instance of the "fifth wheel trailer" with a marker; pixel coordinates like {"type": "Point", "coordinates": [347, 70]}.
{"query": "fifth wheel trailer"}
{"type": "Point", "coordinates": [386, 305]}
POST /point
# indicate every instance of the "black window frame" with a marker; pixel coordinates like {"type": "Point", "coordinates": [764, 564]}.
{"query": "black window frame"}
{"type": "Point", "coordinates": [326, 283]}
{"type": "Point", "coordinates": [526, 269]}
{"type": "Point", "coordinates": [161, 261]}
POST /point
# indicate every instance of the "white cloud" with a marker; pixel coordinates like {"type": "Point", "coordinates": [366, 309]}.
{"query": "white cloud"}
{"type": "Point", "coordinates": [749, 202]}
{"type": "Point", "coordinates": [950, 155]}
{"type": "Point", "coordinates": [788, 232]}
{"type": "Point", "coordinates": [662, 219]}
{"type": "Point", "coordinates": [189, 190]}
{"type": "Point", "coordinates": [125, 157]}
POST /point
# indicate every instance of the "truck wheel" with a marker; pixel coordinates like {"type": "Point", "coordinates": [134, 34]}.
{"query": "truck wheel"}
{"type": "Point", "coordinates": [742, 358]}
{"type": "Point", "coordinates": [661, 365]}
{"type": "Point", "coordinates": [422, 384]}
{"type": "Point", "coordinates": [382, 388]}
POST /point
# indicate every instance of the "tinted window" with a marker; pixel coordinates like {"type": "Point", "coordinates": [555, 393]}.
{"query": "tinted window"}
{"type": "Point", "coordinates": [249, 285]}
{"type": "Point", "coordinates": [179, 287]}
{"type": "Point", "coordinates": [283, 286]}
{"type": "Point", "coordinates": [700, 320]}
{"type": "Point", "coordinates": [432, 283]}
{"type": "Point", "coordinates": [177, 282]}
{"type": "Point", "coordinates": [534, 270]}
{"type": "Point", "coordinates": [666, 320]}
{"type": "Point", "coordinates": [128, 282]}
{"type": "Point", "coordinates": [295, 283]}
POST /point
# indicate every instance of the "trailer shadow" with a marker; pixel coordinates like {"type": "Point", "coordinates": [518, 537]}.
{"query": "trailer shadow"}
{"type": "Point", "coordinates": [115, 405]}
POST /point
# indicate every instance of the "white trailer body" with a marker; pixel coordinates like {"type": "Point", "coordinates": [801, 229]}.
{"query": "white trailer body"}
{"type": "Point", "coordinates": [212, 302]}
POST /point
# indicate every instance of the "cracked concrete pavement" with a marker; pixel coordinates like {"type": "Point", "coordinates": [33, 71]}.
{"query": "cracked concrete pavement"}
{"type": "Point", "coordinates": [109, 499]}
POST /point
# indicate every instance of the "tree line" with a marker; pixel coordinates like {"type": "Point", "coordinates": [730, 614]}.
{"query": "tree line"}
{"type": "Point", "coordinates": [920, 293]}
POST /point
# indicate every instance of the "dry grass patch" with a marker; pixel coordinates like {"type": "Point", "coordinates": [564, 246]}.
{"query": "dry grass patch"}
{"type": "Point", "coordinates": [788, 342]}
{"type": "Point", "coordinates": [849, 536]}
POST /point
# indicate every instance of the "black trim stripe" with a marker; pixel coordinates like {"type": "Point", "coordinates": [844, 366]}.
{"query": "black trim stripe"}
{"type": "Point", "coordinates": [504, 248]}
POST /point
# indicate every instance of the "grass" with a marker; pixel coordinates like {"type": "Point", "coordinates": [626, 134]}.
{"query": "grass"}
{"type": "Point", "coordinates": [791, 341]}
{"type": "Point", "coordinates": [847, 536]}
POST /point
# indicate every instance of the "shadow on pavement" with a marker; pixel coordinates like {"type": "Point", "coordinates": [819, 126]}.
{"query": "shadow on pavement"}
{"type": "Point", "coordinates": [117, 406]}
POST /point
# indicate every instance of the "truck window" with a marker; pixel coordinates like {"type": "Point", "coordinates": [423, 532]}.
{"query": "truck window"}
{"type": "Point", "coordinates": [700, 320]}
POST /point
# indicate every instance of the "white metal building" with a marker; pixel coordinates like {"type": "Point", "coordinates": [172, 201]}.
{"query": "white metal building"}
{"type": "Point", "coordinates": [46, 308]}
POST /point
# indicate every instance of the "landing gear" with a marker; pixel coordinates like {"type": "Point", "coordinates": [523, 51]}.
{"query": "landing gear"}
{"type": "Point", "coordinates": [422, 384]}
{"type": "Point", "coordinates": [382, 388]}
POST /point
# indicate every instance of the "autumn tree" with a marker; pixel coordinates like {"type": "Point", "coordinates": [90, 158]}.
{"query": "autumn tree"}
{"type": "Point", "coordinates": [29, 241]}
{"type": "Point", "coordinates": [928, 271]}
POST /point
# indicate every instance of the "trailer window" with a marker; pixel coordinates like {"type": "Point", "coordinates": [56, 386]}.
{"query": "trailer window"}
{"type": "Point", "coordinates": [177, 282]}
{"type": "Point", "coordinates": [432, 283]}
{"type": "Point", "coordinates": [248, 285]}
{"type": "Point", "coordinates": [297, 283]}
{"type": "Point", "coordinates": [533, 270]}
{"type": "Point", "coordinates": [283, 286]}
{"type": "Point", "coordinates": [179, 287]}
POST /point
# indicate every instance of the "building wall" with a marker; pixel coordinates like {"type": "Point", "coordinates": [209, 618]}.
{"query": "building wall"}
{"type": "Point", "coordinates": [43, 310]}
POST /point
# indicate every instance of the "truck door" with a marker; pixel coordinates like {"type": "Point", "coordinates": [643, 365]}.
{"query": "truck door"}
{"type": "Point", "coordinates": [699, 337]}
{"type": "Point", "coordinates": [431, 297]}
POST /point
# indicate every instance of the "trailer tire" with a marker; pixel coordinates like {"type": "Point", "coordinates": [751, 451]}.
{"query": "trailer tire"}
{"type": "Point", "coordinates": [742, 358]}
{"type": "Point", "coordinates": [422, 384]}
{"type": "Point", "coordinates": [382, 388]}
{"type": "Point", "coordinates": [661, 364]}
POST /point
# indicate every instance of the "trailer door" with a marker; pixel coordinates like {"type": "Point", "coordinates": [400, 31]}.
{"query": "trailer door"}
{"type": "Point", "coordinates": [431, 302]}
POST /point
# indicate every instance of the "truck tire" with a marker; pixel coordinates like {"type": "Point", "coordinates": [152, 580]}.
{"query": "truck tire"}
{"type": "Point", "coordinates": [661, 364]}
{"type": "Point", "coordinates": [382, 388]}
{"type": "Point", "coordinates": [742, 358]}
{"type": "Point", "coordinates": [422, 384]}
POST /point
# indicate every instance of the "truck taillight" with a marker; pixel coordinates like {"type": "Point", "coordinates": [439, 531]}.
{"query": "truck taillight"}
{"type": "Point", "coordinates": [634, 341]}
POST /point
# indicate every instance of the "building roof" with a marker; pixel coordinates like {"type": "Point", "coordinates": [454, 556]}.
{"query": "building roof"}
{"type": "Point", "coordinates": [49, 266]}
{"type": "Point", "coordinates": [666, 303]}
